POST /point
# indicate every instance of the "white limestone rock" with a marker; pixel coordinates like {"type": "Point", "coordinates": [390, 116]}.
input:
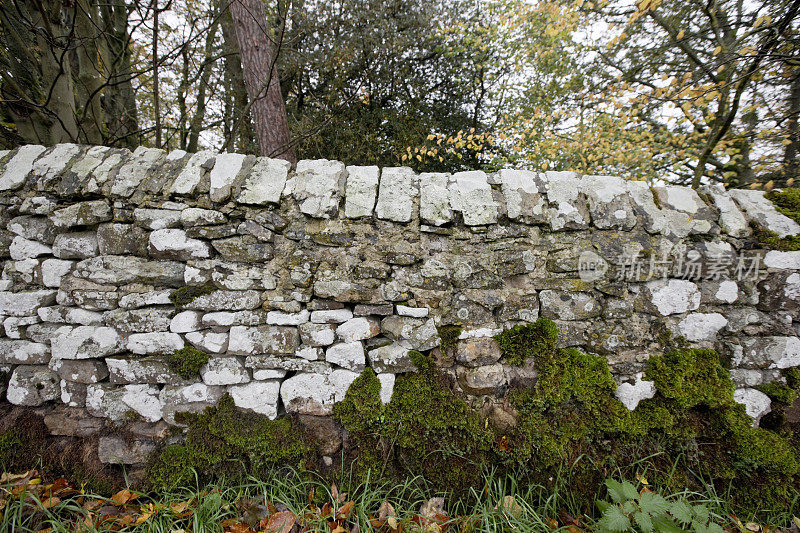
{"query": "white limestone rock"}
{"type": "Point", "coordinates": [195, 216]}
{"type": "Point", "coordinates": [609, 202]}
{"type": "Point", "coordinates": [358, 329]}
{"type": "Point", "coordinates": [524, 200]}
{"type": "Point", "coordinates": [434, 198]}
{"type": "Point", "coordinates": [396, 194]}
{"type": "Point", "coordinates": [731, 219]}
{"type": "Point", "coordinates": [70, 315]}
{"type": "Point", "coordinates": [568, 209]}
{"type": "Point", "coordinates": [157, 218]}
{"type": "Point", "coordinates": [187, 181]}
{"type": "Point", "coordinates": [728, 291]}
{"type": "Point", "coordinates": [222, 176]}
{"type": "Point", "coordinates": [23, 352]}
{"type": "Point", "coordinates": [279, 318]}
{"type": "Point", "coordinates": [174, 244]}
{"type": "Point", "coordinates": [263, 340]}
{"type": "Point", "coordinates": [349, 355]}
{"type": "Point", "coordinates": [19, 166]}
{"type": "Point", "coordinates": [315, 393]}
{"type": "Point", "coordinates": [85, 342]}
{"type": "Point", "coordinates": [77, 245]}
{"type": "Point", "coordinates": [318, 187]}
{"type": "Point", "coordinates": [697, 327]}
{"type": "Point", "coordinates": [257, 396]}
{"type": "Point", "coordinates": [33, 385]}
{"type": "Point", "coordinates": [310, 353]}
{"type": "Point", "coordinates": [208, 341]}
{"type": "Point", "coordinates": [674, 296]}
{"type": "Point", "coordinates": [392, 358]}
{"type": "Point", "coordinates": [471, 194]}
{"type": "Point", "coordinates": [192, 398]}
{"type": "Point", "coordinates": [144, 299]}
{"type": "Point", "coordinates": [264, 374]}
{"type": "Point", "coordinates": [756, 403]}
{"type": "Point", "coordinates": [265, 182]}
{"type": "Point", "coordinates": [224, 371]}
{"type": "Point", "coordinates": [117, 403]}
{"type": "Point", "coordinates": [22, 248]}
{"type": "Point", "coordinates": [415, 312]}
{"type": "Point", "coordinates": [25, 303]}
{"type": "Point", "coordinates": [82, 214]}
{"type": "Point", "coordinates": [762, 211]}
{"type": "Point", "coordinates": [157, 342]}
{"type": "Point", "coordinates": [186, 322]}
{"type": "Point", "coordinates": [135, 170]}
{"type": "Point", "coordinates": [768, 352]}
{"type": "Point", "coordinates": [782, 260]}
{"type": "Point", "coordinates": [360, 191]}
{"type": "Point", "coordinates": [317, 334]}
{"type": "Point", "coordinates": [151, 370]}
{"type": "Point", "coordinates": [54, 161]}
{"type": "Point", "coordinates": [630, 394]}
{"type": "Point", "coordinates": [331, 316]}
{"type": "Point", "coordinates": [387, 387]}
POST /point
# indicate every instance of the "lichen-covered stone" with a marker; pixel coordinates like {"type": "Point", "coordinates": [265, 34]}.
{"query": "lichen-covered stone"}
{"type": "Point", "coordinates": [85, 342]}
{"type": "Point", "coordinates": [23, 352]}
{"type": "Point", "coordinates": [360, 191]}
{"type": "Point", "coordinates": [19, 166]}
{"type": "Point", "coordinates": [257, 396]}
{"type": "Point", "coordinates": [396, 194]}
{"type": "Point", "coordinates": [698, 327]}
{"type": "Point", "coordinates": [154, 343]}
{"type": "Point", "coordinates": [33, 385]}
{"type": "Point", "coordinates": [471, 194]}
{"type": "Point", "coordinates": [224, 371]}
{"type": "Point", "coordinates": [674, 296]}
{"type": "Point", "coordinates": [82, 214]}
{"type": "Point", "coordinates": [263, 339]}
{"type": "Point", "coordinates": [318, 187]}
{"type": "Point", "coordinates": [315, 394]}
{"type": "Point", "coordinates": [265, 182]}
{"type": "Point", "coordinates": [349, 355]}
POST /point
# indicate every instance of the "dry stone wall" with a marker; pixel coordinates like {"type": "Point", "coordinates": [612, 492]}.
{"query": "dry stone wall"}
{"type": "Point", "coordinates": [294, 281]}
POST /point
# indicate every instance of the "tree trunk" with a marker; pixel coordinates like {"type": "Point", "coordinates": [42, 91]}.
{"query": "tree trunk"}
{"type": "Point", "coordinates": [89, 79]}
{"type": "Point", "coordinates": [791, 164]}
{"type": "Point", "coordinates": [259, 58]}
{"type": "Point", "coordinates": [238, 128]}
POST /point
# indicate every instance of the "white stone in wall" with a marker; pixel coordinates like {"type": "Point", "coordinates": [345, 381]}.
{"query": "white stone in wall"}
{"type": "Point", "coordinates": [70, 315]}
{"type": "Point", "coordinates": [54, 270]}
{"type": "Point", "coordinates": [361, 191]}
{"type": "Point", "coordinates": [731, 219]}
{"type": "Point", "coordinates": [315, 393]}
{"type": "Point", "coordinates": [54, 161]}
{"type": "Point", "coordinates": [563, 191]}
{"type": "Point", "coordinates": [99, 176]}
{"type": "Point", "coordinates": [82, 214]}
{"type": "Point", "coordinates": [756, 403]}
{"type": "Point", "coordinates": [331, 316]}
{"type": "Point", "coordinates": [263, 339]}
{"type": "Point", "coordinates": [674, 296]}
{"type": "Point", "coordinates": [175, 243]}
{"type": "Point", "coordinates": [698, 327]}
{"type": "Point", "coordinates": [19, 166]}
{"type": "Point", "coordinates": [358, 329]}
{"type": "Point", "coordinates": [391, 358]}
{"type": "Point", "coordinates": [523, 198]}
{"type": "Point", "coordinates": [192, 398]}
{"type": "Point", "coordinates": [85, 342]}
{"type": "Point", "coordinates": [224, 371]}
{"type": "Point", "coordinates": [144, 299]}
{"type": "Point", "coordinates": [187, 181]}
{"type": "Point", "coordinates": [157, 342]}
{"type": "Point", "coordinates": [157, 218]}
{"type": "Point", "coordinates": [396, 194]}
{"type": "Point", "coordinates": [630, 394]}
{"type": "Point", "coordinates": [132, 173]}
{"type": "Point", "coordinates": [782, 260]}
{"type": "Point", "coordinates": [279, 318]}
{"type": "Point", "coordinates": [91, 159]}
{"type": "Point", "coordinates": [471, 194]}
{"type": "Point", "coordinates": [434, 198]}
{"type": "Point", "coordinates": [415, 312]}
{"type": "Point", "coordinates": [12, 325]}
{"type": "Point", "coordinates": [387, 387]}
{"type": "Point", "coordinates": [263, 374]}
{"type": "Point", "coordinates": [219, 318]}
{"type": "Point", "coordinates": [222, 176]}
{"type": "Point", "coordinates": [185, 322]}
{"type": "Point", "coordinates": [310, 353]}
{"type": "Point", "coordinates": [208, 341]}
{"type": "Point", "coordinates": [76, 245]}
{"type": "Point", "coordinates": [22, 248]}
{"type": "Point", "coordinates": [728, 291]}
{"type": "Point", "coordinates": [195, 216]}
{"type": "Point", "coordinates": [258, 396]}
{"type": "Point", "coordinates": [23, 352]}
{"type": "Point", "coordinates": [33, 385]}
{"type": "Point", "coordinates": [25, 303]}
{"type": "Point", "coordinates": [768, 352]}
{"type": "Point", "coordinates": [609, 202]}
{"type": "Point", "coordinates": [319, 186]}
{"type": "Point", "coordinates": [349, 355]}
{"type": "Point", "coordinates": [264, 182]}
{"type": "Point", "coordinates": [761, 210]}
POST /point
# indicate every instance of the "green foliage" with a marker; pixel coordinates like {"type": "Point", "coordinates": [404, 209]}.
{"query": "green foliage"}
{"type": "Point", "coordinates": [691, 377]}
{"type": "Point", "coordinates": [528, 340]}
{"type": "Point", "coordinates": [186, 295]}
{"type": "Point", "coordinates": [792, 376]}
{"type": "Point", "coordinates": [646, 511]}
{"type": "Point", "coordinates": [779, 392]}
{"type": "Point", "coordinates": [769, 239]}
{"type": "Point", "coordinates": [224, 441]}
{"type": "Point", "coordinates": [187, 362]}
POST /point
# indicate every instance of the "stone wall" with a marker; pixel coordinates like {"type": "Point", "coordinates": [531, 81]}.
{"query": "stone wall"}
{"type": "Point", "coordinates": [294, 281]}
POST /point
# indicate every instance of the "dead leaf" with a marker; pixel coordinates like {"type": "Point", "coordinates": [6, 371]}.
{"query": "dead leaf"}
{"type": "Point", "coordinates": [52, 501]}
{"type": "Point", "coordinates": [385, 511]}
{"type": "Point", "coordinates": [344, 512]}
{"type": "Point", "coordinates": [281, 522]}
{"type": "Point", "coordinates": [233, 526]}
{"type": "Point", "coordinates": [509, 504]}
{"type": "Point", "coordinates": [123, 497]}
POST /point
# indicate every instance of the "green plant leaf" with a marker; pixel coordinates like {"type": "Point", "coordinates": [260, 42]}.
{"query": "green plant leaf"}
{"type": "Point", "coordinates": [602, 505]}
{"type": "Point", "coordinates": [663, 524]}
{"type": "Point", "coordinates": [629, 491]}
{"type": "Point", "coordinates": [644, 521]}
{"type": "Point", "coordinates": [629, 507]}
{"type": "Point", "coordinates": [681, 511]}
{"type": "Point", "coordinates": [653, 504]}
{"type": "Point", "coordinates": [700, 512]}
{"type": "Point", "coordinates": [615, 490]}
{"type": "Point", "coordinates": [614, 520]}
{"type": "Point", "coordinates": [713, 527]}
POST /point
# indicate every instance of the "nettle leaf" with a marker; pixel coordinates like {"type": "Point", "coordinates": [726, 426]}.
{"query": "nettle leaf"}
{"type": "Point", "coordinates": [713, 527]}
{"type": "Point", "coordinates": [681, 511]}
{"type": "Point", "coordinates": [644, 521]}
{"type": "Point", "coordinates": [629, 491]}
{"type": "Point", "coordinates": [614, 520]}
{"type": "Point", "coordinates": [602, 505]}
{"type": "Point", "coordinates": [700, 512]}
{"type": "Point", "coordinates": [629, 507]}
{"type": "Point", "coordinates": [699, 527]}
{"type": "Point", "coordinates": [654, 504]}
{"type": "Point", "coordinates": [615, 490]}
{"type": "Point", "coordinates": [663, 524]}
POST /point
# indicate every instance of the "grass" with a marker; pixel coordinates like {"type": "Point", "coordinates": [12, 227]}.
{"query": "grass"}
{"type": "Point", "coordinates": [358, 505]}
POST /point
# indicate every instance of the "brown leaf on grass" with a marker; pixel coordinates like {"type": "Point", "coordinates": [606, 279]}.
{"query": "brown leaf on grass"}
{"type": "Point", "coordinates": [123, 497]}
{"type": "Point", "coordinates": [552, 523]}
{"type": "Point", "coordinates": [16, 479]}
{"type": "Point", "coordinates": [281, 522]}
{"type": "Point", "coordinates": [232, 525]}
{"type": "Point", "coordinates": [385, 510]}
{"type": "Point", "coordinates": [509, 505]}
{"type": "Point", "coordinates": [52, 501]}
{"type": "Point", "coordinates": [344, 511]}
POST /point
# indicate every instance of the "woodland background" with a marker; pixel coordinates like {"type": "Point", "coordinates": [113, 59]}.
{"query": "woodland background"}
{"type": "Point", "coordinates": [683, 91]}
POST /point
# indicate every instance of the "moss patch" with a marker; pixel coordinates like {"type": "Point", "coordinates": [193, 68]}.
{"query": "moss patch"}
{"type": "Point", "coordinates": [448, 335]}
{"type": "Point", "coordinates": [779, 392]}
{"type": "Point", "coordinates": [224, 441]}
{"type": "Point", "coordinates": [528, 340]}
{"type": "Point", "coordinates": [787, 202]}
{"type": "Point", "coordinates": [186, 295]}
{"type": "Point", "coordinates": [187, 362]}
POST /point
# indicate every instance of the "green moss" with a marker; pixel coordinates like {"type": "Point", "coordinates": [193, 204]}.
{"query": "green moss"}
{"type": "Point", "coordinates": [786, 202]}
{"type": "Point", "coordinates": [224, 441]}
{"type": "Point", "coordinates": [779, 392]}
{"type": "Point", "coordinates": [361, 409]}
{"type": "Point", "coordinates": [186, 295]}
{"type": "Point", "coordinates": [656, 198]}
{"type": "Point", "coordinates": [187, 362]}
{"type": "Point", "coordinates": [691, 377]}
{"type": "Point", "coordinates": [792, 376]}
{"type": "Point", "coordinates": [770, 239]}
{"type": "Point", "coordinates": [448, 335]}
{"type": "Point", "coordinates": [528, 340]}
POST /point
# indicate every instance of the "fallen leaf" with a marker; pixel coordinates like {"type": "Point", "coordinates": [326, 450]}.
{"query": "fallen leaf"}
{"type": "Point", "coordinates": [123, 497]}
{"type": "Point", "coordinates": [281, 522]}
{"type": "Point", "coordinates": [52, 501]}
{"type": "Point", "coordinates": [344, 511]}
{"type": "Point", "coordinates": [385, 511]}
{"type": "Point", "coordinates": [510, 505]}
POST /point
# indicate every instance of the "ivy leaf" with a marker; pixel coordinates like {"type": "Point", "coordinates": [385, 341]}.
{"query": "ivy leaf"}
{"type": "Point", "coordinates": [644, 521]}
{"type": "Point", "coordinates": [614, 520]}
{"type": "Point", "coordinates": [681, 511]}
